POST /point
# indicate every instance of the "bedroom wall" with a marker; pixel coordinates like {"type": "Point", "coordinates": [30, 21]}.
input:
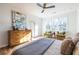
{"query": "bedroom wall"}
{"type": "Point", "coordinates": [72, 24]}
{"type": "Point", "coordinates": [34, 19]}
{"type": "Point", "coordinates": [78, 20]}
{"type": "Point", "coordinates": [5, 22]}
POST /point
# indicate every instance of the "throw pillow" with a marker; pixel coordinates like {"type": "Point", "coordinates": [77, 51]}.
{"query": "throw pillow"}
{"type": "Point", "coordinates": [76, 49]}
{"type": "Point", "coordinates": [76, 38]}
{"type": "Point", "coordinates": [67, 47]}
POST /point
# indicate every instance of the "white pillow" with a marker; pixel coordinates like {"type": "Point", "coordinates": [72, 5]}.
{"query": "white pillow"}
{"type": "Point", "coordinates": [76, 49]}
{"type": "Point", "coordinates": [76, 38]}
{"type": "Point", "coordinates": [67, 47]}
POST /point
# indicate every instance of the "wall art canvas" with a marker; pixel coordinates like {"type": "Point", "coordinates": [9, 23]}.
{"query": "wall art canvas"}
{"type": "Point", "coordinates": [18, 21]}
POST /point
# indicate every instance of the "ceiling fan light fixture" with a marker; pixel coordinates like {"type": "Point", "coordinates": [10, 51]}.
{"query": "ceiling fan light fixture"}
{"type": "Point", "coordinates": [44, 6]}
{"type": "Point", "coordinates": [42, 11]}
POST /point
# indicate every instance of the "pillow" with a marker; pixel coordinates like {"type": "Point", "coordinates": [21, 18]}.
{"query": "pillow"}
{"type": "Point", "coordinates": [76, 49]}
{"type": "Point", "coordinates": [67, 47]}
{"type": "Point", "coordinates": [68, 38]}
{"type": "Point", "coordinates": [76, 39]}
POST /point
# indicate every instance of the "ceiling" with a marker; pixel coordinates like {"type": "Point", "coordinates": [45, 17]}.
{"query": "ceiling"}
{"type": "Point", "coordinates": [32, 8]}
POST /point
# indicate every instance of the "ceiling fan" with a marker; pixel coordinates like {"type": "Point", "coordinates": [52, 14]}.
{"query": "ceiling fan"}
{"type": "Point", "coordinates": [44, 6]}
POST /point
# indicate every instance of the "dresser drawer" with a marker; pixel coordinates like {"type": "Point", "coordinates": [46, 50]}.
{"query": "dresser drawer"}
{"type": "Point", "coordinates": [19, 36]}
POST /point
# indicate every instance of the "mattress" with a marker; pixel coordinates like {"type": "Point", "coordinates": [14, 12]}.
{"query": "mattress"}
{"type": "Point", "coordinates": [35, 48]}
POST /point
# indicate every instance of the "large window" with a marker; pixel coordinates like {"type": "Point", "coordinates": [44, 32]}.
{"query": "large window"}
{"type": "Point", "coordinates": [57, 24]}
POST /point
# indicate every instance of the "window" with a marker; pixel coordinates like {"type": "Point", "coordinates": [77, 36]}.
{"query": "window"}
{"type": "Point", "coordinates": [57, 24]}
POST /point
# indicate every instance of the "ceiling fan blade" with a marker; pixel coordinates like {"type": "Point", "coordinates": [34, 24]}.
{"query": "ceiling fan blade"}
{"type": "Point", "coordinates": [50, 6]}
{"type": "Point", "coordinates": [42, 11]}
{"type": "Point", "coordinates": [44, 5]}
{"type": "Point", "coordinates": [39, 5]}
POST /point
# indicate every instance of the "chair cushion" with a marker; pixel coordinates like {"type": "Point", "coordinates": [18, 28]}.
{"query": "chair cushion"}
{"type": "Point", "coordinates": [67, 47]}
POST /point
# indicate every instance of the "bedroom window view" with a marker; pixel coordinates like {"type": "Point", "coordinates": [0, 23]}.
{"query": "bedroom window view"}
{"type": "Point", "coordinates": [59, 24]}
{"type": "Point", "coordinates": [56, 26]}
{"type": "Point", "coordinates": [39, 29]}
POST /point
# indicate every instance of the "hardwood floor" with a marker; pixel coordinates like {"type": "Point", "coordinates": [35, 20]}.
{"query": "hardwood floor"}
{"type": "Point", "coordinates": [8, 50]}
{"type": "Point", "coordinates": [5, 50]}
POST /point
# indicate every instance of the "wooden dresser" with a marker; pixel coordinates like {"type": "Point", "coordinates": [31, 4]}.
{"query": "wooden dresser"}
{"type": "Point", "coordinates": [17, 37]}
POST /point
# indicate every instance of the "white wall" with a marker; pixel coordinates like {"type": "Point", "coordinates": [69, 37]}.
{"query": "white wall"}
{"type": "Point", "coordinates": [72, 24]}
{"type": "Point", "coordinates": [5, 22]}
{"type": "Point", "coordinates": [78, 20]}
{"type": "Point", "coordinates": [36, 20]}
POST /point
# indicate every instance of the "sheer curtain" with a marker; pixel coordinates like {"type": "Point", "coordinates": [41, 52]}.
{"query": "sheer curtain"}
{"type": "Point", "coordinates": [56, 24]}
{"type": "Point", "coordinates": [60, 24]}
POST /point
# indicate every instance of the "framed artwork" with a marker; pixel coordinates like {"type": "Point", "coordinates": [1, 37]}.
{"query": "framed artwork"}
{"type": "Point", "coordinates": [18, 21]}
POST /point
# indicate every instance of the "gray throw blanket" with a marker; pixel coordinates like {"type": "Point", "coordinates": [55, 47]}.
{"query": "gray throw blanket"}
{"type": "Point", "coordinates": [35, 48]}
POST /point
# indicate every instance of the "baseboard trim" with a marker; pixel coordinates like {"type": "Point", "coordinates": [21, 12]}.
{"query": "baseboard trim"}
{"type": "Point", "coordinates": [1, 46]}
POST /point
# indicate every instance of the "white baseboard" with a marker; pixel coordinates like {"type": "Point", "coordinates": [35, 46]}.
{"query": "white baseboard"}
{"type": "Point", "coordinates": [3, 45]}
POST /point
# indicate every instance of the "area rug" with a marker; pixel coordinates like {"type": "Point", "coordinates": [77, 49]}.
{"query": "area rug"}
{"type": "Point", "coordinates": [35, 48]}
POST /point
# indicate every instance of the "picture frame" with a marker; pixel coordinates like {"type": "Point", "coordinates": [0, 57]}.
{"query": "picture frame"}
{"type": "Point", "coordinates": [18, 20]}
